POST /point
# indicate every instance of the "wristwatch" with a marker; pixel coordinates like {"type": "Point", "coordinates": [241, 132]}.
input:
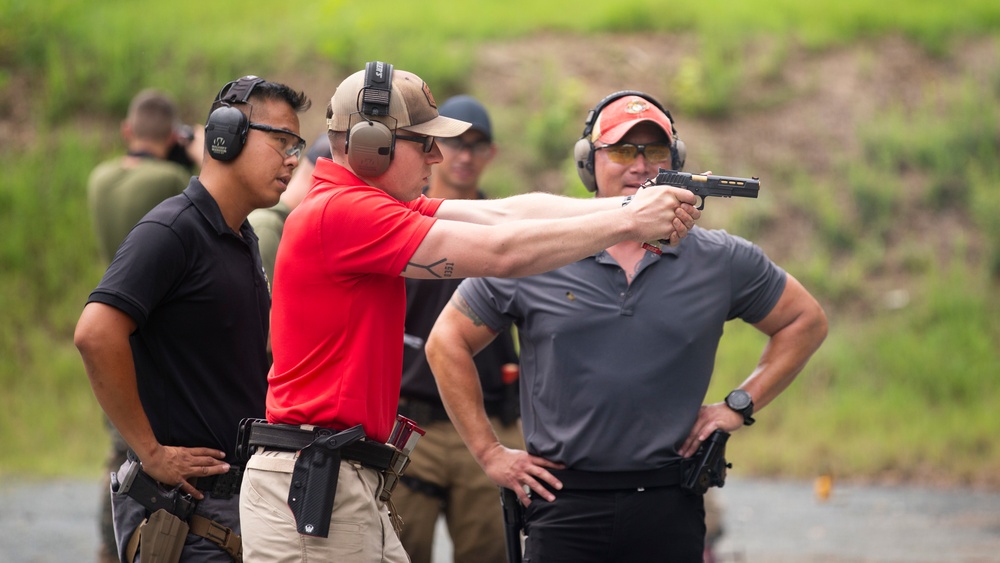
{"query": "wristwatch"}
{"type": "Point", "coordinates": [741, 402]}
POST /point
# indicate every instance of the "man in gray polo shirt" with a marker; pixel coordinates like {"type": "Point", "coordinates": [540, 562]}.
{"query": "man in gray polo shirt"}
{"type": "Point", "coordinates": [617, 351]}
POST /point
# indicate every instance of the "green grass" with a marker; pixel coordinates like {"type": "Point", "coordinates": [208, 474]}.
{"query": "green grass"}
{"type": "Point", "coordinates": [908, 391]}
{"type": "Point", "coordinates": [190, 47]}
{"type": "Point", "coordinates": [50, 421]}
{"type": "Point", "coordinates": [882, 397]}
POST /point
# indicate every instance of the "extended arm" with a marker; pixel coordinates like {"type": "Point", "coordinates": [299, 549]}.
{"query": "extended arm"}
{"type": "Point", "coordinates": [530, 246]}
{"type": "Point", "coordinates": [456, 337]}
{"type": "Point", "coordinates": [535, 205]}
{"type": "Point", "coordinates": [102, 336]}
{"type": "Point", "coordinates": [796, 327]}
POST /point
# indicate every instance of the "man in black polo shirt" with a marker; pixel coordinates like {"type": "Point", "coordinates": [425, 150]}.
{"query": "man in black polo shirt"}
{"type": "Point", "coordinates": [173, 338]}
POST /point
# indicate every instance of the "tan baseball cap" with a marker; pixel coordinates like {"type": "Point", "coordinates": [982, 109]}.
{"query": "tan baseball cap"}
{"type": "Point", "coordinates": [411, 107]}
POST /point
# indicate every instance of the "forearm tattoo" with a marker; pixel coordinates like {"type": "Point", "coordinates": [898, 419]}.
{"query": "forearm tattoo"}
{"type": "Point", "coordinates": [459, 302]}
{"type": "Point", "coordinates": [440, 269]}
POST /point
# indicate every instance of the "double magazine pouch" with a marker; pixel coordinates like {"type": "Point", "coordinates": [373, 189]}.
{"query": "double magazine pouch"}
{"type": "Point", "coordinates": [314, 481]}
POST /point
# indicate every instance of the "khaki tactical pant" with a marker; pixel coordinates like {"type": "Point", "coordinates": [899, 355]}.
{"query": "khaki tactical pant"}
{"type": "Point", "coordinates": [360, 530]}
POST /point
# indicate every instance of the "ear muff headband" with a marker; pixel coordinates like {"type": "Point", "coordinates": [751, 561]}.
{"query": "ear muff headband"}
{"type": "Point", "coordinates": [370, 143]}
{"type": "Point", "coordinates": [227, 127]}
{"type": "Point", "coordinates": [583, 150]}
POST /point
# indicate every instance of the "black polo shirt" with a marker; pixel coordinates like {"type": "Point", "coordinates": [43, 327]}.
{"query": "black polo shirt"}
{"type": "Point", "coordinates": [425, 299]}
{"type": "Point", "coordinates": [198, 294]}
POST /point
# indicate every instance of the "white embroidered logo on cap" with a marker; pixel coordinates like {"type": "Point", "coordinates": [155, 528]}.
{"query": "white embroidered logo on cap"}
{"type": "Point", "coordinates": [636, 106]}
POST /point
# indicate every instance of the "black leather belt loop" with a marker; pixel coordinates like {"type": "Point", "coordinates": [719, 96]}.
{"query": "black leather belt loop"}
{"type": "Point", "coordinates": [289, 438]}
{"type": "Point", "coordinates": [667, 476]}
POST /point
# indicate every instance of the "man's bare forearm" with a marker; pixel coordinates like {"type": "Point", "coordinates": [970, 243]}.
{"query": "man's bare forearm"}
{"type": "Point", "coordinates": [532, 246]}
{"type": "Point", "coordinates": [537, 205]}
{"type": "Point", "coordinates": [450, 353]}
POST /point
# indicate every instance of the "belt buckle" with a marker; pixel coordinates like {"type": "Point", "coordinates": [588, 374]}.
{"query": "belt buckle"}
{"type": "Point", "coordinates": [217, 533]}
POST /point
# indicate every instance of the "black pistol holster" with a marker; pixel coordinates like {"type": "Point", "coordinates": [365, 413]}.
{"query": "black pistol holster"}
{"type": "Point", "coordinates": [314, 481]}
{"type": "Point", "coordinates": [513, 523]}
{"type": "Point", "coordinates": [707, 467]}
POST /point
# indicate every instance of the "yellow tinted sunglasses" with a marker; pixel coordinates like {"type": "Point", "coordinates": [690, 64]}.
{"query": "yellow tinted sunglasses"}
{"type": "Point", "coordinates": [626, 153]}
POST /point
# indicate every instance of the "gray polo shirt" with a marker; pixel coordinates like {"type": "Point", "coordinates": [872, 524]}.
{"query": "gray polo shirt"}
{"type": "Point", "coordinates": [613, 375]}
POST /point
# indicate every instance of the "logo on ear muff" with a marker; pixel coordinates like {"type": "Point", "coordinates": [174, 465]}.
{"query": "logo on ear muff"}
{"type": "Point", "coordinates": [370, 143]}
{"type": "Point", "coordinates": [583, 150]}
{"type": "Point", "coordinates": [227, 127]}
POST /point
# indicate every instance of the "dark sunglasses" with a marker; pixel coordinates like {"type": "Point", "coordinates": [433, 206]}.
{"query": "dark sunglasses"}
{"type": "Point", "coordinates": [426, 142]}
{"type": "Point", "coordinates": [626, 153]}
{"type": "Point", "coordinates": [288, 148]}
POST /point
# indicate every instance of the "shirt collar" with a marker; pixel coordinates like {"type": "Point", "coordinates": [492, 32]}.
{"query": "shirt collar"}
{"type": "Point", "coordinates": [648, 259]}
{"type": "Point", "coordinates": [209, 209]}
{"type": "Point", "coordinates": [328, 171]}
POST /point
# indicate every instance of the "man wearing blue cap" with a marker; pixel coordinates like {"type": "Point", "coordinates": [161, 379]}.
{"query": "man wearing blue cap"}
{"type": "Point", "coordinates": [443, 477]}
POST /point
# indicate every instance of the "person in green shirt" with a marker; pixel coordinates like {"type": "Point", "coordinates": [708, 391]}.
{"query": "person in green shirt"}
{"type": "Point", "coordinates": [121, 190]}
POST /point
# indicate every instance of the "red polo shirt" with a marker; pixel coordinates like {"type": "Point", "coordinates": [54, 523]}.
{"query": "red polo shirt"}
{"type": "Point", "coordinates": [339, 304]}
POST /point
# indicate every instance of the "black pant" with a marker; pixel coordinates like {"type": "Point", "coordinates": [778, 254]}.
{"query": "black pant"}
{"type": "Point", "coordinates": [626, 526]}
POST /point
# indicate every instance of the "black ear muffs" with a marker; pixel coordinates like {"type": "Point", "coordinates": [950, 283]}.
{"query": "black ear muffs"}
{"type": "Point", "coordinates": [371, 144]}
{"type": "Point", "coordinates": [583, 150]}
{"type": "Point", "coordinates": [226, 133]}
{"type": "Point", "coordinates": [227, 127]}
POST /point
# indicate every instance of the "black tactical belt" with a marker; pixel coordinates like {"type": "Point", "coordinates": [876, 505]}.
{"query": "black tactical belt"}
{"type": "Point", "coordinates": [422, 412]}
{"type": "Point", "coordinates": [222, 486]}
{"type": "Point", "coordinates": [667, 476]}
{"type": "Point", "coordinates": [425, 412]}
{"type": "Point", "coordinates": [425, 487]}
{"type": "Point", "coordinates": [289, 438]}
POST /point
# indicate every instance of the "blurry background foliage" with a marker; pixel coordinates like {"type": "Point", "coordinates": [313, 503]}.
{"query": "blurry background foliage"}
{"type": "Point", "coordinates": [892, 224]}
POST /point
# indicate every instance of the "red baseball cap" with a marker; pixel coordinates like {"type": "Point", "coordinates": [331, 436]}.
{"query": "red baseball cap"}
{"type": "Point", "coordinates": [618, 117]}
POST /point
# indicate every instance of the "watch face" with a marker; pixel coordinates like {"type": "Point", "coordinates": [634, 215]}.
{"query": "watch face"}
{"type": "Point", "coordinates": [738, 400]}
